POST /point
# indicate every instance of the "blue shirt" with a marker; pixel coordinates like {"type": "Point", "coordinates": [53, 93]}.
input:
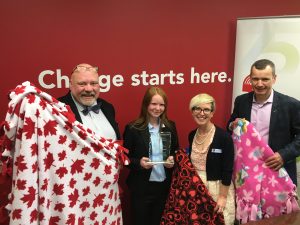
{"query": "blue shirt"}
{"type": "Point", "coordinates": [155, 154]}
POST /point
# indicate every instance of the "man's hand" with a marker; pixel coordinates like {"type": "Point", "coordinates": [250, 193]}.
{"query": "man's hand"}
{"type": "Point", "coordinates": [233, 124]}
{"type": "Point", "coordinates": [274, 162]}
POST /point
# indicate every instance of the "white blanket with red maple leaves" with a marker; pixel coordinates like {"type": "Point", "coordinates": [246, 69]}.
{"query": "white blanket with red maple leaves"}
{"type": "Point", "coordinates": [62, 173]}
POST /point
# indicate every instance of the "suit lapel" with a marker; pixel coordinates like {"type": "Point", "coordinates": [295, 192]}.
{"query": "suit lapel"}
{"type": "Point", "coordinates": [146, 138]}
{"type": "Point", "coordinates": [274, 115]}
{"type": "Point", "coordinates": [249, 106]}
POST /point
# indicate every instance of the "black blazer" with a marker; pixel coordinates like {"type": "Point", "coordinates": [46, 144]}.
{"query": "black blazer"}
{"type": "Point", "coordinates": [284, 131]}
{"type": "Point", "coordinates": [137, 142]}
{"type": "Point", "coordinates": [107, 109]}
{"type": "Point", "coordinates": [219, 162]}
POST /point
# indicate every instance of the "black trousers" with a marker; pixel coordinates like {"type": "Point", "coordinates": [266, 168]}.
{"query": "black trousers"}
{"type": "Point", "coordinates": [148, 205]}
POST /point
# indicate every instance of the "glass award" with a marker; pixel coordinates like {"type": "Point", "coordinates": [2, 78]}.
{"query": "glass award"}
{"type": "Point", "coordinates": [161, 154]}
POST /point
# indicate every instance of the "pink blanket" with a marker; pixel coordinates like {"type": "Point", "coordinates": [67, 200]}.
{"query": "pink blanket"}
{"type": "Point", "coordinates": [61, 172]}
{"type": "Point", "coordinates": [260, 191]}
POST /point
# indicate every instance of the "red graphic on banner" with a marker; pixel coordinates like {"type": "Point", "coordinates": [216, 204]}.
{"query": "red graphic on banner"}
{"type": "Point", "coordinates": [247, 84]}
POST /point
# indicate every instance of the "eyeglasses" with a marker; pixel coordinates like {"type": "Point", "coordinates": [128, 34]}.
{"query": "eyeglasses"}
{"type": "Point", "coordinates": [196, 109]}
{"type": "Point", "coordinates": [80, 68]}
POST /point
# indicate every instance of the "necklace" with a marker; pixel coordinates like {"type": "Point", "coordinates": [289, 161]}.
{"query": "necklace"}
{"type": "Point", "coordinates": [205, 137]}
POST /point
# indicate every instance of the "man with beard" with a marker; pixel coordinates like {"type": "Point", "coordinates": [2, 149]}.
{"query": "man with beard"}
{"type": "Point", "coordinates": [95, 113]}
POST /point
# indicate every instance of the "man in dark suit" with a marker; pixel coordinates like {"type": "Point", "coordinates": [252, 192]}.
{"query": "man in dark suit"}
{"type": "Point", "coordinates": [275, 116]}
{"type": "Point", "coordinates": [95, 113]}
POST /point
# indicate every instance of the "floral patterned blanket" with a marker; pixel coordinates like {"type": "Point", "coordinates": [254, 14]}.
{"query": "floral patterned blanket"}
{"type": "Point", "coordinates": [61, 172]}
{"type": "Point", "coordinates": [260, 191]}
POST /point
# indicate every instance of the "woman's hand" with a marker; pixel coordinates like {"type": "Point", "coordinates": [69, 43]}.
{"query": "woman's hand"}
{"type": "Point", "coordinates": [221, 203]}
{"type": "Point", "coordinates": [170, 162]}
{"type": "Point", "coordinates": [144, 162]}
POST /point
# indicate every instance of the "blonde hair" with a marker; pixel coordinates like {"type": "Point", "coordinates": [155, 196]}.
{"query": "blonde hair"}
{"type": "Point", "coordinates": [202, 98]}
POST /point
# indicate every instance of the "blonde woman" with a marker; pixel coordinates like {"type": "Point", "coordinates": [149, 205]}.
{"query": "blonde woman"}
{"type": "Point", "coordinates": [212, 154]}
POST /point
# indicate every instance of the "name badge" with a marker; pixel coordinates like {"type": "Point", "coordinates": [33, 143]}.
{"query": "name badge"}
{"type": "Point", "coordinates": [216, 150]}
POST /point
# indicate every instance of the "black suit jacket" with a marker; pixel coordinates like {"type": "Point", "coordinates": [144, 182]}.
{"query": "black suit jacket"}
{"type": "Point", "coordinates": [137, 142]}
{"type": "Point", "coordinates": [284, 131]}
{"type": "Point", "coordinates": [107, 109]}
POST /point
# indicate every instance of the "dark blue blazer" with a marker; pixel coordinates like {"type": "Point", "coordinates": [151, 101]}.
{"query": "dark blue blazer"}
{"type": "Point", "coordinates": [284, 131]}
{"type": "Point", "coordinates": [107, 109]}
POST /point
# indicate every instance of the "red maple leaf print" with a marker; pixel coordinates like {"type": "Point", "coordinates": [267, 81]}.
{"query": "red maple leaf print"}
{"type": "Point", "coordinates": [93, 215]}
{"type": "Point", "coordinates": [16, 214]}
{"type": "Point", "coordinates": [111, 210]}
{"type": "Point", "coordinates": [34, 149]}
{"type": "Point", "coordinates": [62, 155]}
{"type": "Point", "coordinates": [86, 191]}
{"type": "Point", "coordinates": [96, 163]}
{"type": "Point", "coordinates": [82, 135]}
{"type": "Point", "coordinates": [48, 203]}
{"type": "Point", "coordinates": [61, 172]}
{"type": "Point", "coordinates": [58, 189]}
{"type": "Point", "coordinates": [45, 185]}
{"type": "Point", "coordinates": [62, 139]}
{"type": "Point", "coordinates": [106, 185]}
{"type": "Point", "coordinates": [21, 184]}
{"type": "Point", "coordinates": [54, 220]}
{"type": "Point", "coordinates": [105, 208]}
{"type": "Point", "coordinates": [29, 127]}
{"type": "Point", "coordinates": [71, 219]}
{"type": "Point", "coordinates": [77, 166]}
{"type": "Point", "coordinates": [107, 156]}
{"type": "Point", "coordinates": [50, 128]}
{"type": "Point", "coordinates": [59, 207]}
{"type": "Point", "coordinates": [81, 220]}
{"type": "Point", "coordinates": [85, 150]}
{"type": "Point", "coordinates": [48, 161]}
{"type": "Point", "coordinates": [73, 145]}
{"type": "Point", "coordinates": [107, 169]}
{"type": "Point", "coordinates": [84, 205]}
{"type": "Point", "coordinates": [19, 89]}
{"type": "Point", "coordinates": [111, 194]}
{"type": "Point", "coordinates": [41, 216]}
{"type": "Point", "coordinates": [55, 111]}
{"type": "Point", "coordinates": [72, 183]}
{"type": "Point", "coordinates": [98, 201]}
{"type": "Point", "coordinates": [68, 126]}
{"type": "Point", "coordinates": [43, 103]}
{"type": "Point", "coordinates": [41, 200]}
{"type": "Point", "coordinates": [31, 98]}
{"type": "Point", "coordinates": [104, 221]}
{"type": "Point", "coordinates": [87, 176]}
{"type": "Point", "coordinates": [30, 197]}
{"type": "Point", "coordinates": [19, 133]}
{"type": "Point", "coordinates": [39, 132]}
{"type": "Point", "coordinates": [34, 215]}
{"type": "Point", "coordinates": [20, 163]}
{"type": "Point", "coordinates": [37, 113]}
{"type": "Point", "coordinates": [96, 147]}
{"type": "Point", "coordinates": [73, 197]}
{"type": "Point", "coordinates": [97, 181]}
{"type": "Point", "coordinates": [34, 167]}
{"type": "Point", "coordinates": [116, 177]}
{"type": "Point", "coordinates": [46, 145]}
